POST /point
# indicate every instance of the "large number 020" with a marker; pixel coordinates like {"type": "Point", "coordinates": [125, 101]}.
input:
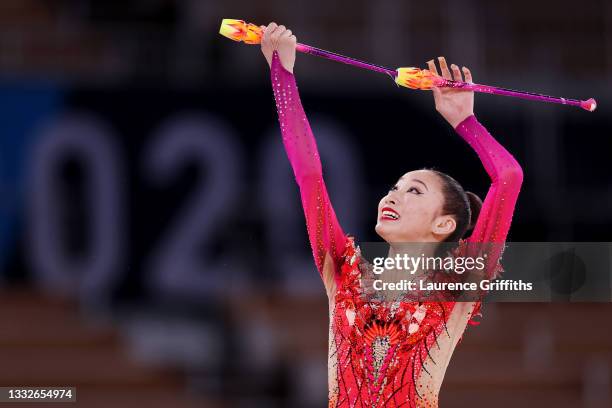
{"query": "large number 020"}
{"type": "Point", "coordinates": [175, 266]}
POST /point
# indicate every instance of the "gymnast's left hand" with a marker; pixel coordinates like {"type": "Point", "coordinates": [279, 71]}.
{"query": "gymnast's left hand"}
{"type": "Point", "coordinates": [453, 104]}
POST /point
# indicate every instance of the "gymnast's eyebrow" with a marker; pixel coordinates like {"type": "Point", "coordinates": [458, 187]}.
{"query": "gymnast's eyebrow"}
{"type": "Point", "coordinates": [419, 181]}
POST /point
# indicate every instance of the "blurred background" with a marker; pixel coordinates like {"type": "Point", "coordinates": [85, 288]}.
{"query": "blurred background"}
{"type": "Point", "coordinates": [153, 250]}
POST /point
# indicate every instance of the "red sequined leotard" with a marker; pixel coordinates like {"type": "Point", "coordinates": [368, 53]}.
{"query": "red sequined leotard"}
{"type": "Point", "coordinates": [393, 354]}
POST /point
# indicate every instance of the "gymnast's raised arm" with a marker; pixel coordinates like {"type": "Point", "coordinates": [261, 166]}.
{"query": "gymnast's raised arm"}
{"type": "Point", "coordinates": [326, 236]}
{"type": "Point", "coordinates": [506, 175]}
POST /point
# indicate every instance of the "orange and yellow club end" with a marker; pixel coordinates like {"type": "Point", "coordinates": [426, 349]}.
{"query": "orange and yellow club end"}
{"type": "Point", "coordinates": [238, 30]}
{"type": "Point", "coordinates": [416, 78]}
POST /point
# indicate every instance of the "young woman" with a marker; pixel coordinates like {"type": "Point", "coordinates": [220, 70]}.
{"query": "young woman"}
{"type": "Point", "coordinates": [396, 353]}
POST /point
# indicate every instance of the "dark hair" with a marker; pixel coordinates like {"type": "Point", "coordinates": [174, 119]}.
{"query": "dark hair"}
{"type": "Point", "coordinates": [463, 205]}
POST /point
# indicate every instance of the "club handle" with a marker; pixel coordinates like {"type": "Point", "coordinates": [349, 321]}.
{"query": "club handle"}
{"type": "Point", "coordinates": [416, 78]}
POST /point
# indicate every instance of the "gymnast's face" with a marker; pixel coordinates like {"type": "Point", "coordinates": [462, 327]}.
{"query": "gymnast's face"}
{"type": "Point", "coordinates": [411, 211]}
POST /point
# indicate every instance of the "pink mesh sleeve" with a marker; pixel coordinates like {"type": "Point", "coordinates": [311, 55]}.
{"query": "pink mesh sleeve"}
{"type": "Point", "coordinates": [324, 231]}
{"type": "Point", "coordinates": [506, 178]}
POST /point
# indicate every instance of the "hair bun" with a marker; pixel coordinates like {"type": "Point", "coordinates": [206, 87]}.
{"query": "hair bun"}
{"type": "Point", "coordinates": [475, 206]}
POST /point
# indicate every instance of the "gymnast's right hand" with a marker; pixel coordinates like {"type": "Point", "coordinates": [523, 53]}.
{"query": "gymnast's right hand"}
{"type": "Point", "coordinates": [278, 38]}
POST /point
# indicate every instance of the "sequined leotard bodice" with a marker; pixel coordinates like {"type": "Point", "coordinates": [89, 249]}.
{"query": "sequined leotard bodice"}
{"type": "Point", "coordinates": [386, 354]}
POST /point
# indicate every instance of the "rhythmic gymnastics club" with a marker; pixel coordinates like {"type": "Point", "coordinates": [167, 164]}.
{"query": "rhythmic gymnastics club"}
{"type": "Point", "coordinates": [409, 77]}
